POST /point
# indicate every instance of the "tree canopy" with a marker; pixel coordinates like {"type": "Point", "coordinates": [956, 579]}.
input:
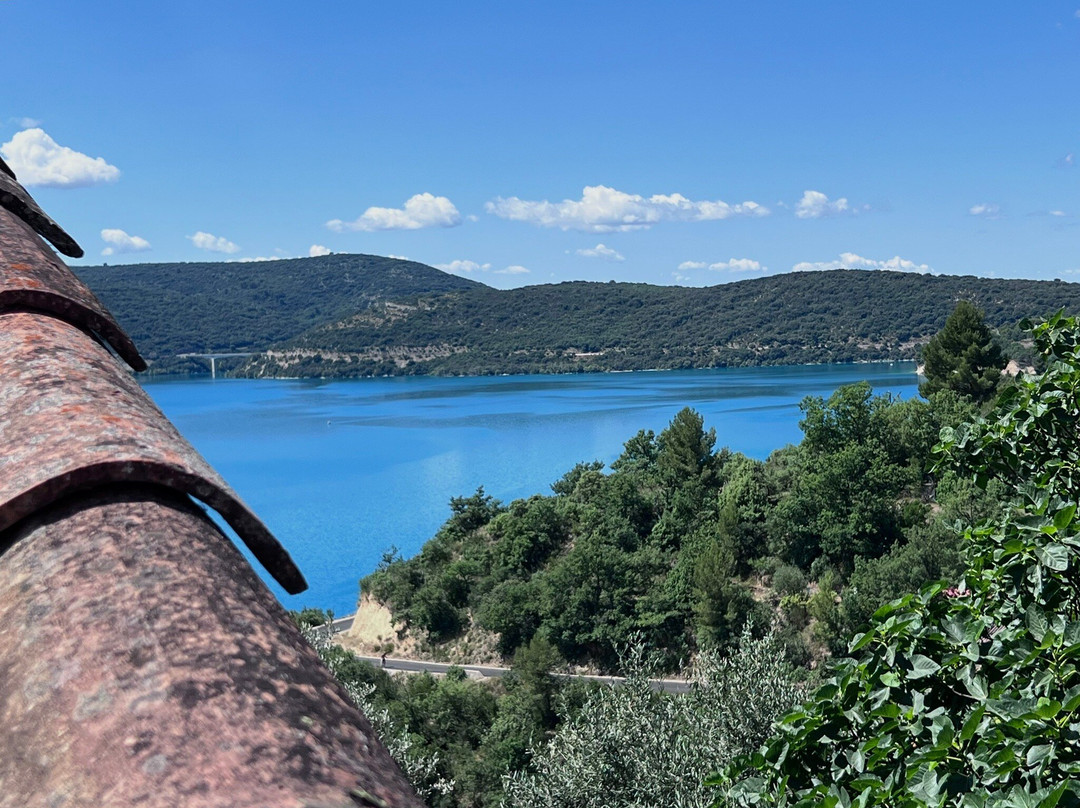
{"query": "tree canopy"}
{"type": "Point", "coordinates": [684, 548]}
{"type": "Point", "coordinates": [967, 692]}
{"type": "Point", "coordinates": [356, 315]}
{"type": "Point", "coordinates": [213, 306]}
{"type": "Point", "coordinates": [963, 356]}
{"type": "Point", "coordinates": [793, 318]}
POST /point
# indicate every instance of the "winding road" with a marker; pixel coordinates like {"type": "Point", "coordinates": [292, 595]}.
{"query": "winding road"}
{"type": "Point", "coordinates": [494, 671]}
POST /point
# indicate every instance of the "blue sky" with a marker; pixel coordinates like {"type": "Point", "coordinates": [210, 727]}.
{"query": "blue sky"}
{"type": "Point", "coordinates": [519, 143]}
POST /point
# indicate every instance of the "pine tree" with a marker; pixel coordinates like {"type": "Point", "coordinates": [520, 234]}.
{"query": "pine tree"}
{"type": "Point", "coordinates": [686, 450]}
{"type": "Point", "coordinates": [963, 356]}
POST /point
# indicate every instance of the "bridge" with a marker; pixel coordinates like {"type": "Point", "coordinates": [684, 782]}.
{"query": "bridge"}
{"type": "Point", "coordinates": [213, 357]}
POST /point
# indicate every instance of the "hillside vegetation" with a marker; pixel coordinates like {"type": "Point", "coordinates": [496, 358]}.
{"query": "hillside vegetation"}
{"type": "Point", "coordinates": [963, 691]}
{"type": "Point", "coordinates": [837, 316]}
{"type": "Point", "coordinates": [362, 315]}
{"type": "Point", "coordinates": [171, 309]}
{"type": "Point", "coordinates": [681, 545]}
{"type": "Point", "coordinates": [676, 552]}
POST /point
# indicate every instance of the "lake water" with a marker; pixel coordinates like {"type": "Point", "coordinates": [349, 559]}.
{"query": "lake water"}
{"type": "Point", "coordinates": [342, 470]}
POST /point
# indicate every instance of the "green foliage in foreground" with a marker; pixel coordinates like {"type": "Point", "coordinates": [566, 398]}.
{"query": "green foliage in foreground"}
{"type": "Point", "coordinates": [633, 746]}
{"type": "Point", "coordinates": [421, 766]}
{"type": "Point", "coordinates": [966, 695]}
{"type": "Point", "coordinates": [533, 740]}
{"type": "Point", "coordinates": [455, 738]}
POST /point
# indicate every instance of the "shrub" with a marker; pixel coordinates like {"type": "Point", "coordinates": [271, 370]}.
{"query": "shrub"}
{"type": "Point", "coordinates": [789, 580]}
{"type": "Point", "coordinates": [630, 745]}
{"type": "Point", "coordinates": [965, 694]}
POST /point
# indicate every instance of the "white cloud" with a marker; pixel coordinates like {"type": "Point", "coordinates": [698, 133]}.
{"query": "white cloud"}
{"type": "Point", "coordinates": [605, 210]}
{"type": "Point", "coordinates": [38, 160]}
{"type": "Point", "coordinates": [315, 250]}
{"type": "Point", "coordinates": [601, 251]}
{"type": "Point", "coordinates": [1058, 213]}
{"type": "Point", "coordinates": [1068, 160]}
{"type": "Point", "coordinates": [207, 241]}
{"type": "Point", "coordinates": [420, 211]}
{"type": "Point", "coordinates": [121, 242]}
{"type": "Point", "coordinates": [463, 266]}
{"type": "Point", "coordinates": [257, 259]}
{"type": "Point", "coordinates": [988, 210]}
{"type": "Point", "coordinates": [739, 265]}
{"type": "Point", "coordinates": [816, 205]}
{"type": "Point", "coordinates": [852, 261]}
{"type": "Point", "coordinates": [26, 123]}
{"type": "Point", "coordinates": [399, 257]}
{"type": "Point", "coordinates": [731, 265]}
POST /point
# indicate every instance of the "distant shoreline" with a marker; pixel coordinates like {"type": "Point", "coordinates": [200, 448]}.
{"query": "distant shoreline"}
{"type": "Point", "coordinates": [168, 376]}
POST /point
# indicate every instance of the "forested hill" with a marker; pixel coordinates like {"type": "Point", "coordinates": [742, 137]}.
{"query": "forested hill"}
{"type": "Point", "coordinates": [835, 316]}
{"type": "Point", "coordinates": [358, 315]}
{"type": "Point", "coordinates": [171, 309]}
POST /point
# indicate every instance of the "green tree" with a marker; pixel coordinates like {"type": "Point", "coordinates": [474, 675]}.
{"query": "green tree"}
{"type": "Point", "coordinates": [930, 553]}
{"type": "Point", "coordinates": [527, 534]}
{"type": "Point", "coordinates": [432, 611]}
{"type": "Point", "coordinates": [639, 454]}
{"type": "Point", "coordinates": [421, 764]}
{"type": "Point", "coordinates": [743, 503]}
{"type": "Point", "coordinates": [964, 695]}
{"type": "Point", "coordinates": [566, 484]}
{"type": "Point", "coordinates": [686, 450]}
{"type": "Point", "coordinates": [469, 513]}
{"type": "Point", "coordinates": [721, 604]}
{"type": "Point", "coordinates": [588, 601]}
{"type": "Point", "coordinates": [632, 746]}
{"type": "Point", "coordinates": [963, 356]}
{"type": "Point", "coordinates": [512, 610]}
{"type": "Point", "coordinates": [842, 501]}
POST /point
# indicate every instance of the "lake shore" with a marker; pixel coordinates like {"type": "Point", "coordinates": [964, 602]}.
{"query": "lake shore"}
{"type": "Point", "coordinates": [341, 470]}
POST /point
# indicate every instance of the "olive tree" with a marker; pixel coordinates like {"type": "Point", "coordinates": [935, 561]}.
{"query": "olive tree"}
{"type": "Point", "coordinates": [632, 746]}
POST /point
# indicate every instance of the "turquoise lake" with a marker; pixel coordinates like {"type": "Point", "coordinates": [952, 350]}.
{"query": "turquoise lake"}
{"type": "Point", "coordinates": [342, 470]}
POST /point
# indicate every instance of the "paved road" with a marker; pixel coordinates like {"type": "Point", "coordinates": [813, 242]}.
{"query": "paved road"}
{"type": "Point", "coordinates": [343, 623]}
{"type": "Point", "coordinates": [415, 666]}
{"type": "Point", "coordinates": [495, 672]}
{"type": "Point", "coordinates": [491, 671]}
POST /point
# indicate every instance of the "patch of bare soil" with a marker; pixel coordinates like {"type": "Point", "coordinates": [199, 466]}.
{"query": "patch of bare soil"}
{"type": "Point", "coordinates": [374, 632]}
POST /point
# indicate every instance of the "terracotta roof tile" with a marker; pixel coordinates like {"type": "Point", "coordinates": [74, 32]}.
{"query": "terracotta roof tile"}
{"type": "Point", "coordinates": [71, 418]}
{"type": "Point", "coordinates": [32, 277]}
{"type": "Point", "coordinates": [142, 662]}
{"type": "Point", "coordinates": [15, 198]}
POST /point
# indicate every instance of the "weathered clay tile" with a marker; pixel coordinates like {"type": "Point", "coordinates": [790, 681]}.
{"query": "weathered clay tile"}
{"type": "Point", "coordinates": [16, 199]}
{"type": "Point", "coordinates": [143, 663]}
{"type": "Point", "coordinates": [32, 277]}
{"type": "Point", "coordinates": [71, 418]}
